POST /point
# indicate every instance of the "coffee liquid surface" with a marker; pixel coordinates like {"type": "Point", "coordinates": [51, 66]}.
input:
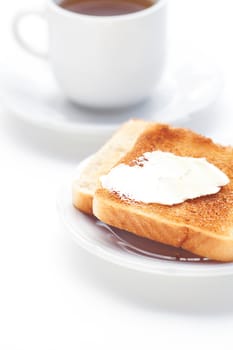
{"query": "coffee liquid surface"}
{"type": "Point", "coordinates": [106, 7]}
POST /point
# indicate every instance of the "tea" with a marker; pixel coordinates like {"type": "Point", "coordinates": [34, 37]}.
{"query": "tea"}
{"type": "Point", "coordinates": [106, 7]}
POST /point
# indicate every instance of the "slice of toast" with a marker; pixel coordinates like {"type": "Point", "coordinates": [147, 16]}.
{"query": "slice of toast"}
{"type": "Point", "coordinates": [204, 225]}
{"type": "Point", "coordinates": [121, 142]}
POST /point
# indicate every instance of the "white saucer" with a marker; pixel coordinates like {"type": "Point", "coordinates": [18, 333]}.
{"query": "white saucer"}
{"type": "Point", "coordinates": [30, 93]}
{"type": "Point", "coordinates": [104, 244]}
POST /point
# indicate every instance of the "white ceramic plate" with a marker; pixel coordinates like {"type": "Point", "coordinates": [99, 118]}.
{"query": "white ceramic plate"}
{"type": "Point", "coordinates": [107, 244]}
{"type": "Point", "coordinates": [29, 91]}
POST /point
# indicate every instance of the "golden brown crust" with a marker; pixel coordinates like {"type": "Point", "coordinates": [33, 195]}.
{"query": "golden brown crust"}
{"type": "Point", "coordinates": [83, 201]}
{"type": "Point", "coordinates": [132, 219]}
{"type": "Point", "coordinates": [203, 225]}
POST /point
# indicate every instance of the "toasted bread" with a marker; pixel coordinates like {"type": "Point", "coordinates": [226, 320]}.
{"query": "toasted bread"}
{"type": "Point", "coordinates": [204, 225]}
{"type": "Point", "coordinates": [99, 164]}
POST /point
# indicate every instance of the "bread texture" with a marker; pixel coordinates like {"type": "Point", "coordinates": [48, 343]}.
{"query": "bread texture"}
{"type": "Point", "coordinates": [203, 226]}
{"type": "Point", "coordinates": [120, 143]}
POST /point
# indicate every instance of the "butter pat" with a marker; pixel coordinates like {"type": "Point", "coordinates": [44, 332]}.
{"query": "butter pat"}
{"type": "Point", "coordinates": [164, 178]}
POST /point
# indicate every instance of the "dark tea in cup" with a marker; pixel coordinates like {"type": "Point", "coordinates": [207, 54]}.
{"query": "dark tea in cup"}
{"type": "Point", "coordinates": [106, 7]}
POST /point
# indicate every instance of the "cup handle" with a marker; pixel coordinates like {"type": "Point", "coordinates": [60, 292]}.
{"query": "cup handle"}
{"type": "Point", "coordinates": [19, 18]}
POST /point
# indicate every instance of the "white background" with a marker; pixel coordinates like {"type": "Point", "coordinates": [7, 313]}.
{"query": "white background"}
{"type": "Point", "coordinates": [53, 295]}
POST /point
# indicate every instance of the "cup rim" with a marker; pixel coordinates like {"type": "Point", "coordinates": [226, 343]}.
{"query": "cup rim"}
{"type": "Point", "coordinates": [142, 13]}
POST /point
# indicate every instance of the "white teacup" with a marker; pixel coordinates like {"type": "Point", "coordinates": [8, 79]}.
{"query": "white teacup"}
{"type": "Point", "coordinates": [104, 61]}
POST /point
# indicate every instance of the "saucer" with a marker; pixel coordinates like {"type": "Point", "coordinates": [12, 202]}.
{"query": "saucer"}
{"type": "Point", "coordinates": [102, 241]}
{"type": "Point", "coordinates": [31, 94]}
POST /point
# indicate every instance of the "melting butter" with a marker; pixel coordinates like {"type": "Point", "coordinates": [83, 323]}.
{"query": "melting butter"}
{"type": "Point", "coordinates": [164, 178]}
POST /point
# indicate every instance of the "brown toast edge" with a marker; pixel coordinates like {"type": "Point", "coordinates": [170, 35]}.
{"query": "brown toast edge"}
{"type": "Point", "coordinates": [127, 217]}
{"type": "Point", "coordinates": [82, 201]}
{"type": "Point", "coordinates": [82, 198]}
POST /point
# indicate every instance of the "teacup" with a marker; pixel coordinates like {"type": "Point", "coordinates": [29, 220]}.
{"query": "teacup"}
{"type": "Point", "coordinates": [104, 61]}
